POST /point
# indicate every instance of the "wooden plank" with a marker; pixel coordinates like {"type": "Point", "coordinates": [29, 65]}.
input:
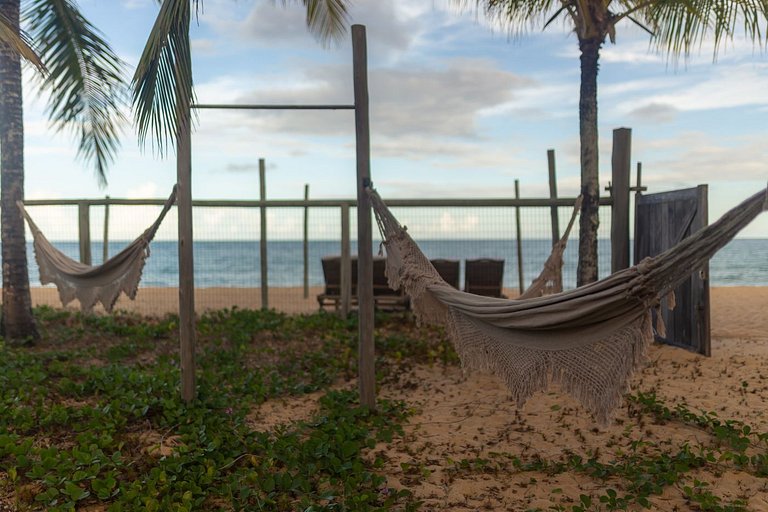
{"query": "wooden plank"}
{"type": "Point", "coordinates": [186, 260]}
{"type": "Point", "coordinates": [84, 232]}
{"type": "Point", "coordinates": [620, 176]}
{"type": "Point", "coordinates": [306, 243]}
{"type": "Point", "coordinates": [263, 236]}
{"type": "Point", "coordinates": [367, 372]}
{"type": "Point", "coordinates": [346, 263]}
{"type": "Point", "coordinates": [519, 239]}
{"type": "Point", "coordinates": [553, 195]}
{"type": "Point", "coordinates": [702, 302]}
{"type": "Point", "coordinates": [105, 238]}
{"type": "Point", "coordinates": [541, 202]}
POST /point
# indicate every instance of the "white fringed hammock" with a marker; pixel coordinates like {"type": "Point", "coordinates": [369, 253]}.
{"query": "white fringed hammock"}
{"type": "Point", "coordinates": [99, 283]}
{"type": "Point", "coordinates": [587, 340]}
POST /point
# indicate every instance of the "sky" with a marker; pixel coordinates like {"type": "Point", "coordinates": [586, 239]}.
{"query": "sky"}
{"type": "Point", "coordinates": [459, 108]}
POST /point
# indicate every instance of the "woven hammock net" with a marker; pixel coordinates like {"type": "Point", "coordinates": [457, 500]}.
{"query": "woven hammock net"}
{"type": "Point", "coordinates": [587, 340]}
{"type": "Point", "coordinates": [99, 283]}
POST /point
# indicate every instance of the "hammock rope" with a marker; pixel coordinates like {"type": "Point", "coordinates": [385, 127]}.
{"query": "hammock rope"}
{"type": "Point", "coordinates": [98, 283]}
{"type": "Point", "coordinates": [587, 340]}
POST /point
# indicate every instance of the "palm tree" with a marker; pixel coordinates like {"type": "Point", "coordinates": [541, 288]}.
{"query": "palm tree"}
{"type": "Point", "coordinates": [676, 26]}
{"type": "Point", "coordinates": [163, 85]}
{"type": "Point", "coordinates": [87, 90]}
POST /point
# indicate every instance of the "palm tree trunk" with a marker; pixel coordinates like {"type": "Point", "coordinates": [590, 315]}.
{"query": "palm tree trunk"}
{"type": "Point", "coordinates": [589, 221]}
{"type": "Point", "coordinates": [17, 320]}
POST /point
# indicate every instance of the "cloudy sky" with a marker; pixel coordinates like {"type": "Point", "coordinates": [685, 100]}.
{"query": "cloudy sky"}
{"type": "Point", "coordinates": [458, 109]}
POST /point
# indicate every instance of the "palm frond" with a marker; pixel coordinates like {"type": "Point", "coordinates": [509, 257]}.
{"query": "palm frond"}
{"type": "Point", "coordinates": [682, 26]}
{"type": "Point", "coordinates": [326, 19]}
{"type": "Point", "coordinates": [162, 84]}
{"type": "Point", "coordinates": [518, 15]}
{"type": "Point", "coordinates": [19, 41]}
{"type": "Point", "coordinates": [85, 79]}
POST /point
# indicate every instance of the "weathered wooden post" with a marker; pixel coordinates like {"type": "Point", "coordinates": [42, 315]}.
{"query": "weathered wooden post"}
{"type": "Point", "coordinates": [186, 262]}
{"type": "Point", "coordinates": [553, 209]}
{"type": "Point", "coordinates": [519, 237]}
{"type": "Point", "coordinates": [620, 175]}
{"type": "Point", "coordinates": [306, 242]}
{"type": "Point", "coordinates": [84, 232]}
{"type": "Point", "coordinates": [105, 243]}
{"type": "Point", "coordinates": [367, 373]}
{"type": "Point", "coordinates": [345, 283]}
{"type": "Point", "coordinates": [263, 235]}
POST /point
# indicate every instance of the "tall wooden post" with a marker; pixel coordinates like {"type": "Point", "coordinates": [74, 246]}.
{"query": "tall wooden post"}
{"type": "Point", "coordinates": [553, 209]}
{"type": "Point", "coordinates": [367, 373]}
{"type": "Point", "coordinates": [620, 175]}
{"type": "Point", "coordinates": [519, 237]}
{"type": "Point", "coordinates": [105, 243]}
{"type": "Point", "coordinates": [186, 261]}
{"type": "Point", "coordinates": [553, 195]}
{"type": "Point", "coordinates": [263, 235]}
{"type": "Point", "coordinates": [306, 242]}
{"type": "Point", "coordinates": [84, 228]}
{"type": "Point", "coordinates": [346, 263]}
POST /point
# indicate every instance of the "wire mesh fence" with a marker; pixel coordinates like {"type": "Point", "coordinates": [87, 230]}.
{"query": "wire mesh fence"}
{"type": "Point", "coordinates": [228, 247]}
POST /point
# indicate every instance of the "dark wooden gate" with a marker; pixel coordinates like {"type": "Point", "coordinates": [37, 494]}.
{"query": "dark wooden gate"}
{"type": "Point", "coordinates": [661, 221]}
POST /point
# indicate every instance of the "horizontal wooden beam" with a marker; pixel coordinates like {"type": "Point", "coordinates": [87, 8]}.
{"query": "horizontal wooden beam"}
{"type": "Point", "coordinates": [542, 202]}
{"type": "Point", "coordinates": [271, 107]}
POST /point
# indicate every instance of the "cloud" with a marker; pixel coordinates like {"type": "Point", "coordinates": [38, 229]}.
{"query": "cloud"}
{"type": "Point", "coordinates": [655, 112]}
{"type": "Point", "coordinates": [443, 101]}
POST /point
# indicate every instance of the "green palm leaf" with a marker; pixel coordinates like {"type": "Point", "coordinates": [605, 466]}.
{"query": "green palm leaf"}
{"type": "Point", "coordinates": [162, 84]}
{"type": "Point", "coordinates": [85, 79]}
{"type": "Point", "coordinates": [19, 41]}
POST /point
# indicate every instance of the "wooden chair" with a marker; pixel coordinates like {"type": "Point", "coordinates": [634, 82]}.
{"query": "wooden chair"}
{"type": "Point", "coordinates": [484, 277]}
{"type": "Point", "coordinates": [448, 270]}
{"type": "Point", "coordinates": [384, 297]}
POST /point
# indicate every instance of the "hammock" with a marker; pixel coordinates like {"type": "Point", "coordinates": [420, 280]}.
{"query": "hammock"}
{"type": "Point", "coordinates": [100, 283]}
{"type": "Point", "coordinates": [587, 340]}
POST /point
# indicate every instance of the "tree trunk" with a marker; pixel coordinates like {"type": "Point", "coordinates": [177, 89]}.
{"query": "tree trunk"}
{"type": "Point", "coordinates": [17, 320]}
{"type": "Point", "coordinates": [590, 187]}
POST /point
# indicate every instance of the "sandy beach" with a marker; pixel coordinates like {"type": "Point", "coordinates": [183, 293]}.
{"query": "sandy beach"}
{"type": "Point", "coordinates": [460, 443]}
{"type": "Point", "coordinates": [459, 417]}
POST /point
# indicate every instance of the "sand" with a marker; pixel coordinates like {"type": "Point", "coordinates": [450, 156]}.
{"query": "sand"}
{"type": "Point", "coordinates": [460, 417]}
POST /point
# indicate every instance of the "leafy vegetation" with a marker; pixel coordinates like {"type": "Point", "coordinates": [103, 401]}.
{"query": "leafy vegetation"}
{"type": "Point", "coordinates": [92, 415]}
{"type": "Point", "coordinates": [90, 418]}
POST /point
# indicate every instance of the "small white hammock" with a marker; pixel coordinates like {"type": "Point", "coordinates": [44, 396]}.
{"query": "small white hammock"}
{"type": "Point", "coordinates": [98, 283]}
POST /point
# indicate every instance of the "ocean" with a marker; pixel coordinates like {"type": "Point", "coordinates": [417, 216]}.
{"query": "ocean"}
{"type": "Point", "coordinates": [743, 262]}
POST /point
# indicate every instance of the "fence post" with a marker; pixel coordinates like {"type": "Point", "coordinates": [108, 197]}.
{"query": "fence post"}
{"type": "Point", "coordinates": [367, 372]}
{"type": "Point", "coordinates": [620, 172]}
{"type": "Point", "coordinates": [346, 263]}
{"type": "Point", "coordinates": [105, 243]}
{"type": "Point", "coordinates": [186, 253]}
{"type": "Point", "coordinates": [520, 278]}
{"type": "Point", "coordinates": [306, 242]}
{"type": "Point", "coordinates": [263, 236]}
{"type": "Point", "coordinates": [553, 195]}
{"type": "Point", "coordinates": [84, 228]}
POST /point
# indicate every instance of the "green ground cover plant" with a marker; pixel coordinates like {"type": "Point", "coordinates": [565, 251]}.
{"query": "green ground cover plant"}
{"type": "Point", "coordinates": [90, 418]}
{"type": "Point", "coordinates": [77, 408]}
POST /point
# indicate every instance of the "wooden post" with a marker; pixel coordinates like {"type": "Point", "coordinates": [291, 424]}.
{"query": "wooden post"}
{"type": "Point", "coordinates": [520, 278]}
{"type": "Point", "coordinates": [367, 372]}
{"type": "Point", "coordinates": [186, 261]}
{"type": "Point", "coordinates": [105, 243]}
{"type": "Point", "coordinates": [620, 175]}
{"type": "Point", "coordinates": [346, 263]}
{"type": "Point", "coordinates": [702, 314]}
{"type": "Point", "coordinates": [306, 243]}
{"type": "Point", "coordinates": [553, 210]}
{"type": "Point", "coordinates": [553, 195]}
{"type": "Point", "coordinates": [263, 235]}
{"type": "Point", "coordinates": [84, 228]}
